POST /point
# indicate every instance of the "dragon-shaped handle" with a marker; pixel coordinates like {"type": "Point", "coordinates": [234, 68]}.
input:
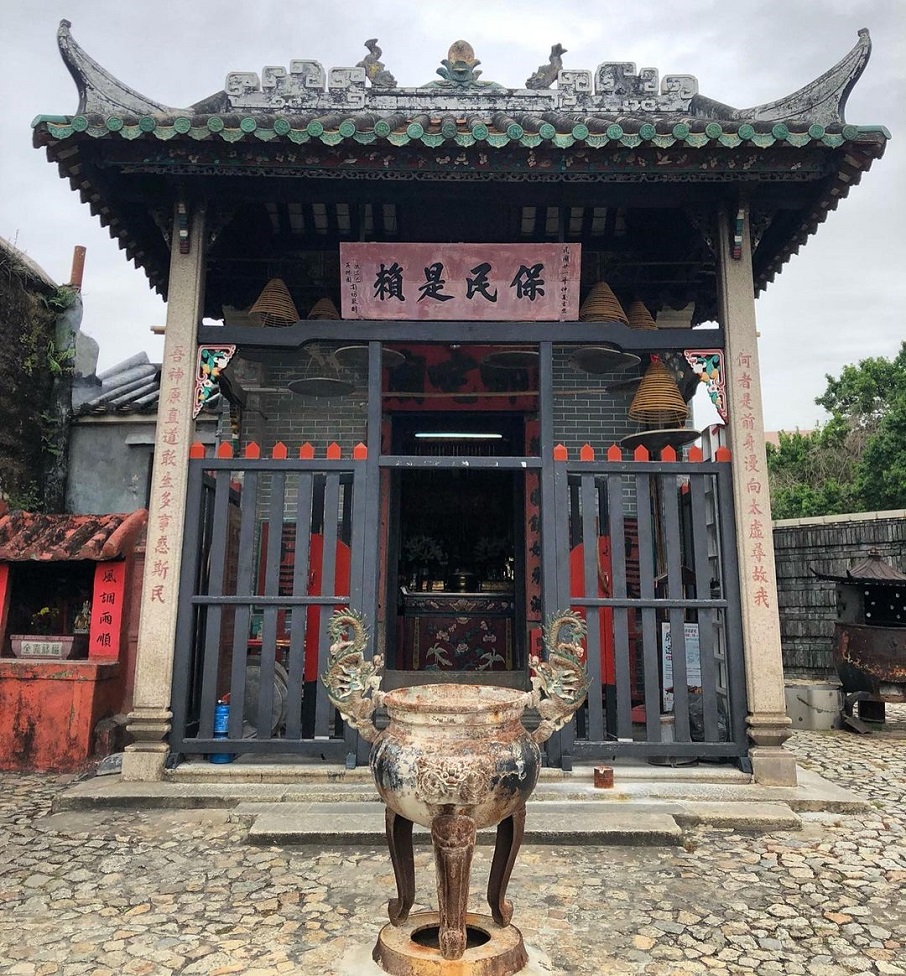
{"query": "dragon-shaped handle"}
{"type": "Point", "coordinates": [350, 677]}
{"type": "Point", "coordinates": [563, 677]}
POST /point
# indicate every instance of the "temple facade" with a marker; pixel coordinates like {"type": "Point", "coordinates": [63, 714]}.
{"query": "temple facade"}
{"type": "Point", "coordinates": [455, 330]}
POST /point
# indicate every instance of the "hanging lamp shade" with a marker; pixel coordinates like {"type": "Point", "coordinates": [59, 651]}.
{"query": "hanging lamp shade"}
{"type": "Point", "coordinates": [601, 305]}
{"type": "Point", "coordinates": [640, 317]}
{"type": "Point", "coordinates": [274, 306]}
{"type": "Point", "coordinates": [324, 308]}
{"type": "Point", "coordinates": [658, 401]}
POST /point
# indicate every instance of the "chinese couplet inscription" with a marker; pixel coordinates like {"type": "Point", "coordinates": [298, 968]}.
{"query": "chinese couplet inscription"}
{"type": "Point", "coordinates": [755, 517]}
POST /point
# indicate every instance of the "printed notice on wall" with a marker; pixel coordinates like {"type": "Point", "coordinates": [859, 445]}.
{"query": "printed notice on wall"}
{"type": "Point", "coordinates": [693, 662]}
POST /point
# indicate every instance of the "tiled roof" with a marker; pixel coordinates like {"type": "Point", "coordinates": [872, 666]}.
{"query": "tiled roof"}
{"type": "Point", "coordinates": [131, 386]}
{"type": "Point", "coordinates": [33, 536]}
{"type": "Point", "coordinates": [558, 129]}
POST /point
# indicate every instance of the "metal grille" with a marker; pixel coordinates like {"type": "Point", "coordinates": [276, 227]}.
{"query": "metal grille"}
{"type": "Point", "coordinates": [276, 545]}
{"type": "Point", "coordinates": [660, 595]}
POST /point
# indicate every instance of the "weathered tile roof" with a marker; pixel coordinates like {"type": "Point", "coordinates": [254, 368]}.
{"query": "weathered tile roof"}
{"type": "Point", "coordinates": [870, 570]}
{"type": "Point", "coordinates": [132, 386]}
{"type": "Point", "coordinates": [51, 538]}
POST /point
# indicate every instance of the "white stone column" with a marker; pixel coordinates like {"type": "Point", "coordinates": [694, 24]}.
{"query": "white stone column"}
{"type": "Point", "coordinates": [149, 722]}
{"type": "Point", "coordinates": [767, 723]}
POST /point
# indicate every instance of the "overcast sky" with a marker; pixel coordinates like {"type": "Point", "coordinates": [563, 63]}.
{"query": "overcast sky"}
{"type": "Point", "coordinates": [841, 299]}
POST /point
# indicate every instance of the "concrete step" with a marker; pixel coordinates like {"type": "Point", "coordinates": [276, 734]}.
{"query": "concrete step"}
{"type": "Point", "coordinates": [546, 823]}
{"type": "Point", "coordinates": [252, 769]}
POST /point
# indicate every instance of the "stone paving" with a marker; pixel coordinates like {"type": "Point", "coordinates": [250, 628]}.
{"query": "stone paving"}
{"type": "Point", "coordinates": [179, 892]}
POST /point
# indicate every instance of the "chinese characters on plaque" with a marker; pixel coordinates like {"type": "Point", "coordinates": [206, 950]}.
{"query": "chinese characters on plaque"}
{"type": "Point", "coordinates": [107, 609]}
{"type": "Point", "coordinates": [506, 282]}
{"type": "Point", "coordinates": [757, 523]}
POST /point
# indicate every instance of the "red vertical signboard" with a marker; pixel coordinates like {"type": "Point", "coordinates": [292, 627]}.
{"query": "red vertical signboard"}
{"type": "Point", "coordinates": [107, 609]}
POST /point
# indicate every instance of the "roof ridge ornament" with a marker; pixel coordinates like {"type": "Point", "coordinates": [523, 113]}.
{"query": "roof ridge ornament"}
{"type": "Point", "coordinates": [546, 74]}
{"type": "Point", "coordinates": [619, 89]}
{"type": "Point", "coordinates": [459, 69]}
{"type": "Point", "coordinates": [375, 70]}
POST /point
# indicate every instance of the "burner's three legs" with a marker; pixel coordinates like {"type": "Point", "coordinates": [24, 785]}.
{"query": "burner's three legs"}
{"type": "Point", "coordinates": [454, 844]}
{"type": "Point", "coordinates": [399, 840]}
{"type": "Point", "coordinates": [509, 839]}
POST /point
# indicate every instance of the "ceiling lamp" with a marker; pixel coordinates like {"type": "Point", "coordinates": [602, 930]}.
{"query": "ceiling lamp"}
{"type": "Point", "coordinates": [274, 306]}
{"type": "Point", "coordinates": [512, 358]}
{"type": "Point", "coordinates": [603, 359]}
{"type": "Point", "coordinates": [321, 387]}
{"type": "Point", "coordinates": [356, 357]}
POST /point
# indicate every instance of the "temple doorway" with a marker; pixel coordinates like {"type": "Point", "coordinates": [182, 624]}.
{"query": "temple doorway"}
{"type": "Point", "coordinates": [456, 547]}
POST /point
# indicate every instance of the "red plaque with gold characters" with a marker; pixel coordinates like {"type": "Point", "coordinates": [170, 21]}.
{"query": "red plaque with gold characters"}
{"type": "Point", "coordinates": [504, 282]}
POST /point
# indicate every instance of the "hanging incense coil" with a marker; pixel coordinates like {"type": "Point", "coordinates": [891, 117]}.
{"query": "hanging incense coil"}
{"type": "Point", "coordinates": [640, 317]}
{"type": "Point", "coordinates": [658, 401]}
{"type": "Point", "coordinates": [601, 305]}
{"type": "Point", "coordinates": [275, 305]}
{"type": "Point", "coordinates": [324, 308]}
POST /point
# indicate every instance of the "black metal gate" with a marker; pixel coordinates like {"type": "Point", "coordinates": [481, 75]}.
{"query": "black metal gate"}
{"type": "Point", "coordinates": [272, 545]}
{"type": "Point", "coordinates": [659, 589]}
{"type": "Point", "coordinates": [278, 544]}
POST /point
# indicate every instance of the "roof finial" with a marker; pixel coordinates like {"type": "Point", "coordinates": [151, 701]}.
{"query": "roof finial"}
{"type": "Point", "coordinates": [546, 74]}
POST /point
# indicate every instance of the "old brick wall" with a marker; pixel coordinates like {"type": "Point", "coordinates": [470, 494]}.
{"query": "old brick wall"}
{"type": "Point", "coordinates": [808, 605]}
{"type": "Point", "coordinates": [27, 329]}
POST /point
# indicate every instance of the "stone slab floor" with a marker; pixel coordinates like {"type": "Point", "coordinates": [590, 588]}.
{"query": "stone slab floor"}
{"type": "Point", "coordinates": [179, 892]}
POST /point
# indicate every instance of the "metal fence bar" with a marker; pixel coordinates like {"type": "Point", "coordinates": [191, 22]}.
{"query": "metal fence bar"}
{"type": "Point", "coordinates": [650, 657]}
{"type": "Point", "coordinates": [245, 585]}
{"type": "Point", "coordinates": [471, 461]}
{"type": "Point", "coordinates": [676, 588]}
{"type": "Point", "coordinates": [214, 618]}
{"type": "Point", "coordinates": [323, 708]}
{"type": "Point", "coordinates": [618, 589]}
{"type": "Point", "coordinates": [589, 536]}
{"type": "Point", "coordinates": [362, 574]}
{"type": "Point", "coordinates": [298, 615]}
{"type": "Point", "coordinates": [184, 655]}
{"type": "Point", "coordinates": [368, 485]}
{"type": "Point", "coordinates": [736, 681]}
{"type": "Point", "coordinates": [548, 506]}
{"type": "Point", "coordinates": [706, 618]}
{"type": "Point", "coordinates": [265, 711]}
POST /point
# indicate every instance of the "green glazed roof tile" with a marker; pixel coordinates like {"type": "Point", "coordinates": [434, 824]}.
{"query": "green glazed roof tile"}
{"type": "Point", "coordinates": [60, 127]}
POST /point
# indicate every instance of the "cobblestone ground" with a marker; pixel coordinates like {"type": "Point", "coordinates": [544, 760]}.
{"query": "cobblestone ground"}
{"type": "Point", "coordinates": [179, 892]}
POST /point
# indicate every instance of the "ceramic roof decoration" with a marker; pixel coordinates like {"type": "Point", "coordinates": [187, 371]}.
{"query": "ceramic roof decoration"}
{"type": "Point", "coordinates": [614, 126]}
{"type": "Point", "coordinates": [55, 538]}
{"type": "Point", "coordinates": [613, 89]}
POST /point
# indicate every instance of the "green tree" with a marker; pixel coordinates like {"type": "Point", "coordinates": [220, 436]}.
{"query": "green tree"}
{"type": "Point", "coordinates": [857, 460]}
